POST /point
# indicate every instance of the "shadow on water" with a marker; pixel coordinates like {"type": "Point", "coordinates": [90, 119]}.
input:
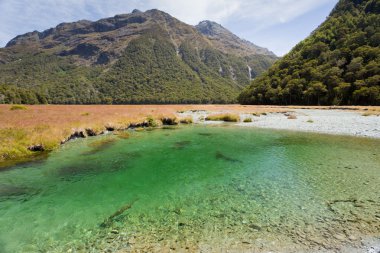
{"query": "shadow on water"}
{"type": "Point", "coordinates": [100, 145]}
{"type": "Point", "coordinates": [34, 161]}
{"type": "Point", "coordinates": [74, 170]}
{"type": "Point", "coordinates": [79, 169]}
{"type": "Point", "coordinates": [131, 155]}
{"type": "Point", "coordinates": [16, 192]}
{"type": "Point", "coordinates": [220, 156]}
{"type": "Point", "coordinates": [181, 144]}
{"type": "Point", "coordinates": [293, 141]}
{"type": "Point", "coordinates": [205, 134]}
{"type": "Point", "coordinates": [170, 128]}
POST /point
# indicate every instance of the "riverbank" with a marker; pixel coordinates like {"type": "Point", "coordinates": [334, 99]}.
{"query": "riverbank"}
{"type": "Point", "coordinates": [339, 122]}
{"type": "Point", "coordinates": [30, 130]}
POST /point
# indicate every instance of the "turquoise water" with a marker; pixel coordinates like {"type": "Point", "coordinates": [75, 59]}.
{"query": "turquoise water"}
{"type": "Point", "coordinates": [194, 188]}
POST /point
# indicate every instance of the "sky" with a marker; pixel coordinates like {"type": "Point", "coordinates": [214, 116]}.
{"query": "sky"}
{"type": "Point", "coordinates": [275, 24]}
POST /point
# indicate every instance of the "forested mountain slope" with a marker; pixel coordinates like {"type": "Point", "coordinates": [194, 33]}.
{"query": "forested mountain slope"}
{"type": "Point", "coordinates": [339, 63]}
{"type": "Point", "coordinates": [141, 57]}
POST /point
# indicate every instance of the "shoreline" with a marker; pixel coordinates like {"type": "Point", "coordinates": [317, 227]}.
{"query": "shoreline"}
{"type": "Point", "coordinates": [349, 123]}
{"type": "Point", "coordinates": [40, 129]}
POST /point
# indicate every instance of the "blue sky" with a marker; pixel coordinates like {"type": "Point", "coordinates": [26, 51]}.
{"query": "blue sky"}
{"type": "Point", "coordinates": [276, 24]}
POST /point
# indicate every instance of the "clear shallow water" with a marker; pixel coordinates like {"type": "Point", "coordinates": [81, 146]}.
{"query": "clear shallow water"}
{"type": "Point", "coordinates": [195, 188]}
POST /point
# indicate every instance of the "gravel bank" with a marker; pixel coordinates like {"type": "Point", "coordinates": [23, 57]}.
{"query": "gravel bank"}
{"type": "Point", "coordinates": [338, 122]}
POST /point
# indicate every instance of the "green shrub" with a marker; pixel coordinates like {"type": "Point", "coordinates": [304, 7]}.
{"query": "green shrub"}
{"type": "Point", "coordinates": [151, 121]}
{"type": "Point", "coordinates": [18, 107]}
{"type": "Point", "coordinates": [247, 120]}
{"type": "Point", "coordinates": [224, 117]}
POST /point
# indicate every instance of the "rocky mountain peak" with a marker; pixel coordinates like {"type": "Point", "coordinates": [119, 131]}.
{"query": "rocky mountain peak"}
{"type": "Point", "coordinates": [136, 11]}
{"type": "Point", "coordinates": [211, 28]}
{"type": "Point", "coordinates": [226, 41]}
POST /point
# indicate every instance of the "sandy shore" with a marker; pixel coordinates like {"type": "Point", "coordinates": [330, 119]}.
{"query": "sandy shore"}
{"type": "Point", "coordinates": [340, 122]}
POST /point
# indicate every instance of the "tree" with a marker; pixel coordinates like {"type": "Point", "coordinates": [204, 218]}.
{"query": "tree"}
{"type": "Point", "coordinates": [342, 93]}
{"type": "Point", "coordinates": [315, 90]}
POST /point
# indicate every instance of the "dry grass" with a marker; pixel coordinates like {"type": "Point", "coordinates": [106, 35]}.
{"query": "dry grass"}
{"type": "Point", "coordinates": [227, 117]}
{"type": "Point", "coordinates": [50, 124]}
{"type": "Point", "coordinates": [372, 112]}
{"type": "Point", "coordinates": [187, 120]}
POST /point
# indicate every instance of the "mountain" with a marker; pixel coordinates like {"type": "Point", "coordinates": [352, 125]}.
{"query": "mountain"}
{"type": "Point", "coordinates": [228, 42]}
{"type": "Point", "coordinates": [339, 63]}
{"type": "Point", "coordinates": [141, 57]}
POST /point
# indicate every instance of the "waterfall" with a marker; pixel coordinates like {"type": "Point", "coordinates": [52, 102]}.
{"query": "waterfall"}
{"type": "Point", "coordinates": [249, 72]}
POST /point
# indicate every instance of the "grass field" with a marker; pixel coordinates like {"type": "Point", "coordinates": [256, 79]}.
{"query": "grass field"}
{"type": "Point", "coordinates": [49, 125]}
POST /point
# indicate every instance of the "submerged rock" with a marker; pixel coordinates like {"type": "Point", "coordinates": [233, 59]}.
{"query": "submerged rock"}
{"type": "Point", "coordinates": [181, 144]}
{"type": "Point", "coordinates": [11, 191]}
{"type": "Point", "coordinates": [205, 134]}
{"type": "Point", "coordinates": [221, 156]}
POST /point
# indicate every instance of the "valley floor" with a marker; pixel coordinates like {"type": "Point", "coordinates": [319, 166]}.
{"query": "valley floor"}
{"type": "Point", "coordinates": [339, 122]}
{"type": "Point", "coordinates": [48, 126]}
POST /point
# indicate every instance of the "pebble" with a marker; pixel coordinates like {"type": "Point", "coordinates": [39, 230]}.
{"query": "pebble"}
{"type": "Point", "coordinates": [114, 231]}
{"type": "Point", "coordinates": [255, 226]}
{"type": "Point", "coordinates": [340, 237]}
{"type": "Point", "coordinates": [352, 238]}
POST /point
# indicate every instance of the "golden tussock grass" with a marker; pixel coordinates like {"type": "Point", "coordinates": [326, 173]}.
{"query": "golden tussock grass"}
{"type": "Point", "coordinates": [186, 120]}
{"type": "Point", "coordinates": [228, 117]}
{"type": "Point", "coordinates": [372, 112]}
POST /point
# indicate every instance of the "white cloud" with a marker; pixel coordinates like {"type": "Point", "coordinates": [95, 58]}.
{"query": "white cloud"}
{"type": "Point", "coordinates": [267, 13]}
{"type": "Point", "coordinates": [194, 11]}
{"type": "Point", "coordinates": [21, 16]}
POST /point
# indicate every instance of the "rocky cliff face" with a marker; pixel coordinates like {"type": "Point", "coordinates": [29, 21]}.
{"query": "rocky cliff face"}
{"type": "Point", "coordinates": [132, 58]}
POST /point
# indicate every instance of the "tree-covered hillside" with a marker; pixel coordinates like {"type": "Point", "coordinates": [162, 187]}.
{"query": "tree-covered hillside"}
{"type": "Point", "coordinates": [339, 63]}
{"type": "Point", "coordinates": [141, 57]}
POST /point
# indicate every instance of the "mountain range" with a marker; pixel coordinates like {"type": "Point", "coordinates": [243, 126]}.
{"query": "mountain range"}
{"type": "Point", "coordinates": [141, 57]}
